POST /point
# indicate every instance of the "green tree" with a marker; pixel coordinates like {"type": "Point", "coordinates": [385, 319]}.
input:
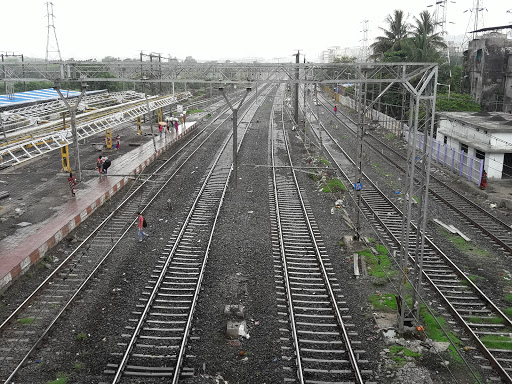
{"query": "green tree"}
{"type": "Point", "coordinates": [424, 45]}
{"type": "Point", "coordinates": [397, 31]}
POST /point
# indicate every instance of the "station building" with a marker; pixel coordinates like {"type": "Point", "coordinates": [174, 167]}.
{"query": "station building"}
{"type": "Point", "coordinates": [481, 135]}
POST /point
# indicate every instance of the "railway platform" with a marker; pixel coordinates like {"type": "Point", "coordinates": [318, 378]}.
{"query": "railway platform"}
{"type": "Point", "coordinates": [40, 210]}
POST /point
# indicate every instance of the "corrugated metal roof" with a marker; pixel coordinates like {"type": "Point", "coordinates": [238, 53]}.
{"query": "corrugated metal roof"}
{"type": "Point", "coordinates": [32, 96]}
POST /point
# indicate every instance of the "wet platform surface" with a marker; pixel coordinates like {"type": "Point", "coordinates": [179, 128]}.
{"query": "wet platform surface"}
{"type": "Point", "coordinates": [40, 209]}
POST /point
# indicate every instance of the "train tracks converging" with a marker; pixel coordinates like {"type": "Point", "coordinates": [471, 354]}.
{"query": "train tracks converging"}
{"type": "Point", "coordinates": [42, 310]}
{"type": "Point", "coordinates": [320, 347]}
{"type": "Point", "coordinates": [157, 343]}
{"type": "Point", "coordinates": [476, 313]}
{"type": "Point", "coordinates": [498, 232]}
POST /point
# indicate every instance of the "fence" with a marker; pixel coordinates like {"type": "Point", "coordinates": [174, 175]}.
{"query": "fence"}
{"type": "Point", "coordinates": [456, 161]}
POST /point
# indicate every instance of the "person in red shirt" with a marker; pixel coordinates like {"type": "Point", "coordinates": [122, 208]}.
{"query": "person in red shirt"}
{"type": "Point", "coordinates": [140, 226]}
{"type": "Point", "coordinates": [335, 109]}
{"type": "Point", "coordinates": [72, 182]}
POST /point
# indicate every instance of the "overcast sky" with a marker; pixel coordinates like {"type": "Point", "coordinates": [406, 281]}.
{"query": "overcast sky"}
{"type": "Point", "coordinates": [213, 30]}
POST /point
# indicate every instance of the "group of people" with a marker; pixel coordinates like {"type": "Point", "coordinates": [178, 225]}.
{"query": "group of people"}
{"type": "Point", "coordinates": [165, 126]}
{"type": "Point", "coordinates": [103, 163]}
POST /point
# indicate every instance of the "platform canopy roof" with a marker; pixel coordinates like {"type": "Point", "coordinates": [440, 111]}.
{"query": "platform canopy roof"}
{"type": "Point", "coordinates": [33, 96]}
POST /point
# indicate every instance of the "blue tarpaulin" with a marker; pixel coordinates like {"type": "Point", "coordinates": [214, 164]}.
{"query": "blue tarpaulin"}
{"type": "Point", "coordinates": [37, 95]}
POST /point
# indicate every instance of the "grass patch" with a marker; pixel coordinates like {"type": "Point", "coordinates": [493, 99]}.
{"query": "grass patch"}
{"type": "Point", "coordinates": [434, 331]}
{"type": "Point", "coordinates": [389, 136]}
{"type": "Point", "coordinates": [508, 298]}
{"type": "Point", "coordinates": [385, 302]}
{"type": "Point", "coordinates": [314, 176]}
{"type": "Point", "coordinates": [27, 320]}
{"type": "Point", "coordinates": [465, 246]}
{"type": "Point", "coordinates": [379, 265]}
{"type": "Point", "coordinates": [334, 185]}
{"type": "Point", "coordinates": [78, 366]}
{"type": "Point", "coordinates": [476, 278]}
{"type": "Point", "coordinates": [194, 111]}
{"type": "Point", "coordinates": [416, 199]}
{"type": "Point", "coordinates": [397, 351]}
{"type": "Point", "coordinates": [326, 162]}
{"type": "Point", "coordinates": [498, 342]}
{"type": "Point", "coordinates": [81, 336]}
{"type": "Point", "coordinates": [486, 320]}
{"type": "Point", "coordinates": [62, 378]}
{"type": "Point", "coordinates": [508, 311]}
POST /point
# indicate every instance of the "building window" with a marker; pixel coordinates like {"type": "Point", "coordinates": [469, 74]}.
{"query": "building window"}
{"type": "Point", "coordinates": [479, 56]}
{"type": "Point", "coordinates": [480, 154]}
{"type": "Point", "coordinates": [445, 139]}
{"type": "Point", "coordinates": [464, 147]}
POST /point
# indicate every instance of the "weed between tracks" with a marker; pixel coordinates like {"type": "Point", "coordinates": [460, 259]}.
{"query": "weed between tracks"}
{"type": "Point", "coordinates": [463, 245]}
{"type": "Point", "coordinates": [399, 354]}
{"type": "Point", "coordinates": [62, 378]}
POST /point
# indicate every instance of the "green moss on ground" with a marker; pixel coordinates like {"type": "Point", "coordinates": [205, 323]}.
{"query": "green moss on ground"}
{"type": "Point", "coordinates": [434, 331]}
{"type": "Point", "coordinates": [464, 246]}
{"type": "Point", "coordinates": [334, 185]}
{"type": "Point", "coordinates": [384, 302]}
{"type": "Point", "coordinates": [27, 320]}
{"type": "Point", "coordinates": [497, 342]}
{"type": "Point", "coordinates": [379, 265]}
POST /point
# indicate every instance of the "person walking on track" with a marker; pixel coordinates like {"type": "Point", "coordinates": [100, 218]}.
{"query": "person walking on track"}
{"type": "Point", "coordinates": [335, 109]}
{"type": "Point", "coordinates": [141, 224]}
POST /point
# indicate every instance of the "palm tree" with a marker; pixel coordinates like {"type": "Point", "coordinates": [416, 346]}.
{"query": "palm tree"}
{"type": "Point", "coordinates": [424, 45]}
{"type": "Point", "coordinates": [397, 31]}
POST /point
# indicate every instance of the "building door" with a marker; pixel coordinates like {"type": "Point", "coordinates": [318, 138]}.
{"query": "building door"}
{"type": "Point", "coordinates": [480, 155]}
{"type": "Point", "coordinates": [507, 166]}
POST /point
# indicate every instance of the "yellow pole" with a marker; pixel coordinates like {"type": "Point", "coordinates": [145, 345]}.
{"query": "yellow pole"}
{"type": "Point", "coordinates": [65, 159]}
{"type": "Point", "coordinates": [108, 138]}
{"type": "Point", "coordinates": [139, 125]}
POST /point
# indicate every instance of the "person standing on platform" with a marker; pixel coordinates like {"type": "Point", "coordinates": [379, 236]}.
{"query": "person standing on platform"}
{"type": "Point", "coordinates": [176, 126]}
{"type": "Point", "coordinates": [99, 164]}
{"type": "Point", "coordinates": [160, 129]}
{"type": "Point", "coordinates": [141, 224]}
{"type": "Point", "coordinates": [483, 182]}
{"type": "Point", "coordinates": [335, 109]}
{"type": "Point", "coordinates": [72, 183]}
{"type": "Point", "coordinates": [118, 141]}
{"type": "Point", "coordinates": [106, 164]}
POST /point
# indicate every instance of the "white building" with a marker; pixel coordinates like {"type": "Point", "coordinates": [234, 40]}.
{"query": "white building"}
{"type": "Point", "coordinates": [485, 136]}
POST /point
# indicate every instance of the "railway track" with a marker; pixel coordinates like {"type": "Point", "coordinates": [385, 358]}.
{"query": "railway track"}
{"type": "Point", "coordinates": [498, 232]}
{"type": "Point", "coordinates": [483, 321]}
{"type": "Point", "coordinates": [157, 343]}
{"type": "Point", "coordinates": [42, 309]}
{"type": "Point", "coordinates": [320, 346]}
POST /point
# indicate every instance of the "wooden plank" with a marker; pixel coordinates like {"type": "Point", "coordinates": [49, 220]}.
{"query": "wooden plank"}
{"type": "Point", "coordinates": [356, 264]}
{"type": "Point", "coordinates": [460, 233]}
{"type": "Point", "coordinates": [445, 226]}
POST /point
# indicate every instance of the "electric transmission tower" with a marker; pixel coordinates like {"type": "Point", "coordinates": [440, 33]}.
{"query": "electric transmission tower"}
{"type": "Point", "coordinates": [476, 19]}
{"type": "Point", "coordinates": [363, 52]}
{"type": "Point", "coordinates": [53, 47]}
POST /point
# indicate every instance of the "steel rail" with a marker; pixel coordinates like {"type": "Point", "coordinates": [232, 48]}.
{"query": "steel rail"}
{"type": "Point", "coordinates": [181, 354]}
{"type": "Point", "coordinates": [283, 255]}
{"type": "Point", "coordinates": [323, 270]}
{"type": "Point", "coordinates": [66, 261]}
{"type": "Point", "coordinates": [488, 354]}
{"type": "Point", "coordinates": [481, 226]}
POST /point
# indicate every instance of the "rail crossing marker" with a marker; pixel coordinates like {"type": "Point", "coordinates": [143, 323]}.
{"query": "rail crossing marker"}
{"type": "Point", "coordinates": [358, 186]}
